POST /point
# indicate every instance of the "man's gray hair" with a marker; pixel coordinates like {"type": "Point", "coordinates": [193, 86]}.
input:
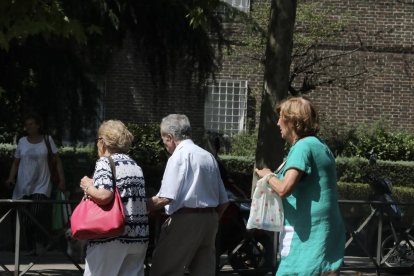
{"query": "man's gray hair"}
{"type": "Point", "coordinates": [177, 125]}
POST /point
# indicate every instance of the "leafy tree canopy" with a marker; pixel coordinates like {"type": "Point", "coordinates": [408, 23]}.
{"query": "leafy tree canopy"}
{"type": "Point", "coordinates": [314, 62]}
{"type": "Point", "coordinates": [53, 51]}
{"type": "Point", "coordinates": [21, 19]}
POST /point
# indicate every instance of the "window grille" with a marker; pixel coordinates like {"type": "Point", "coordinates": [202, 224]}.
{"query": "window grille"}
{"type": "Point", "coordinates": [225, 107]}
{"type": "Point", "coordinates": [243, 5]}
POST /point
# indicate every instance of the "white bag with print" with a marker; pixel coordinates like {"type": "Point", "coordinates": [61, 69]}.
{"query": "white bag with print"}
{"type": "Point", "coordinates": [266, 211]}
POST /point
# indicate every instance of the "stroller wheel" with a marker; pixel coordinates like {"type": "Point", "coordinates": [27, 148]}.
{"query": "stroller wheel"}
{"type": "Point", "coordinates": [251, 256]}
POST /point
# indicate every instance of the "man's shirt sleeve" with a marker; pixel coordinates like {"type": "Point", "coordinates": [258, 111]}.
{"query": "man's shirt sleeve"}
{"type": "Point", "coordinates": [173, 178]}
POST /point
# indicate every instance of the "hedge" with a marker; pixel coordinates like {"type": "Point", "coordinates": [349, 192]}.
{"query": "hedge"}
{"type": "Point", "coordinates": [362, 191]}
{"type": "Point", "coordinates": [349, 169]}
{"type": "Point", "coordinates": [352, 172]}
{"type": "Point", "coordinates": [355, 169]}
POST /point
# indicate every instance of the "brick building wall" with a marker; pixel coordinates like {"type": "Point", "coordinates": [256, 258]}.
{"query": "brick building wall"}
{"type": "Point", "coordinates": [132, 96]}
{"type": "Point", "coordinates": [245, 64]}
{"type": "Point", "coordinates": [385, 92]}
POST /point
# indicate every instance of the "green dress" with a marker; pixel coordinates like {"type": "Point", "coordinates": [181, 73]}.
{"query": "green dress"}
{"type": "Point", "coordinates": [314, 238]}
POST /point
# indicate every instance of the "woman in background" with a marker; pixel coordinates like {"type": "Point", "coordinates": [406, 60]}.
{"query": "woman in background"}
{"type": "Point", "coordinates": [33, 181]}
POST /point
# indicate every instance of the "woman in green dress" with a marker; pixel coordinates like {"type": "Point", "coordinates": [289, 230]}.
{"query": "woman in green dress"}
{"type": "Point", "coordinates": [313, 239]}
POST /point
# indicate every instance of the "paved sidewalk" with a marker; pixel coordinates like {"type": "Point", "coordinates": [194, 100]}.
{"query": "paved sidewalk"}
{"type": "Point", "coordinates": [56, 264]}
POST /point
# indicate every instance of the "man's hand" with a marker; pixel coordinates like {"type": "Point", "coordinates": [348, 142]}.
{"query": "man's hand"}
{"type": "Point", "coordinates": [155, 203]}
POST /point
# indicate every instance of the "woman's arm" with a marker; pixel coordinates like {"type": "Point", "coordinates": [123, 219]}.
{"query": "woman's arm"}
{"type": "Point", "coordinates": [100, 196]}
{"type": "Point", "coordinates": [51, 148]}
{"type": "Point", "coordinates": [13, 172]}
{"type": "Point", "coordinates": [62, 183]}
{"type": "Point", "coordinates": [221, 208]}
{"type": "Point", "coordinates": [285, 186]}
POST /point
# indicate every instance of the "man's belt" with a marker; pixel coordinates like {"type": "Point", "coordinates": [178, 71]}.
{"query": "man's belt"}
{"type": "Point", "coordinates": [187, 210]}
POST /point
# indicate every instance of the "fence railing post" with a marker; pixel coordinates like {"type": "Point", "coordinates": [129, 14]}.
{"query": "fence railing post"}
{"type": "Point", "coordinates": [17, 245]}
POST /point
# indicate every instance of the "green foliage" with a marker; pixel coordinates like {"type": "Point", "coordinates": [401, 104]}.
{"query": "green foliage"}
{"type": "Point", "coordinates": [379, 139]}
{"type": "Point", "coordinates": [240, 169]}
{"type": "Point", "coordinates": [356, 169]}
{"type": "Point", "coordinates": [335, 136]}
{"type": "Point", "coordinates": [171, 33]}
{"type": "Point", "coordinates": [243, 144]}
{"type": "Point", "coordinates": [314, 26]}
{"type": "Point", "coordinates": [360, 191]}
{"type": "Point", "coordinates": [403, 194]}
{"type": "Point", "coordinates": [241, 164]}
{"type": "Point", "coordinates": [352, 176]}
{"type": "Point", "coordinates": [150, 155]}
{"type": "Point", "coordinates": [401, 173]}
{"type": "Point", "coordinates": [77, 162]}
{"type": "Point", "coordinates": [7, 150]}
{"type": "Point", "coordinates": [52, 59]}
{"type": "Point", "coordinates": [354, 191]}
{"type": "Point", "coordinates": [147, 148]}
{"type": "Point", "coordinates": [88, 152]}
{"type": "Point", "coordinates": [255, 25]}
{"type": "Point", "coordinates": [367, 139]}
{"type": "Point", "coordinates": [22, 19]}
{"type": "Point", "coordinates": [52, 81]}
{"type": "Point", "coordinates": [351, 169]}
{"type": "Point", "coordinates": [6, 135]}
{"type": "Point", "coordinates": [198, 15]}
{"type": "Point", "coordinates": [251, 40]}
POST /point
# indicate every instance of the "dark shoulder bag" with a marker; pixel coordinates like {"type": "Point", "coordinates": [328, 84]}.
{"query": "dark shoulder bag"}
{"type": "Point", "coordinates": [52, 162]}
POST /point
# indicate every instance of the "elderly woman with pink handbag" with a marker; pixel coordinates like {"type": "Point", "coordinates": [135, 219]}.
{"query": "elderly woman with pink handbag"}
{"type": "Point", "coordinates": [123, 254]}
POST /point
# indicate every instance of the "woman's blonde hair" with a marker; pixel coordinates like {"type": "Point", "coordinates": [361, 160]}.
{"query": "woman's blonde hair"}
{"type": "Point", "coordinates": [300, 115]}
{"type": "Point", "coordinates": [116, 136]}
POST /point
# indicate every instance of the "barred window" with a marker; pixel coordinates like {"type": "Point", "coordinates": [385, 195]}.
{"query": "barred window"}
{"type": "Point", "coordinates": [225, 106]}
{"type": "Point", "coordinates": [243, 5]}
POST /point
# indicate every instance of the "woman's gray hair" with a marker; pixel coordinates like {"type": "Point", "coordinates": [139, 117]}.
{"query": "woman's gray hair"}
{"type": "Point", "coordinates": [177, 125]}
{"type": "Point", "coordinates": [116, 136]}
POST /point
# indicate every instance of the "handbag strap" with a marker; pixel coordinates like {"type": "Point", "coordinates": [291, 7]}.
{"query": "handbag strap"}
{"type": "Point", "coordinates": [47, 142]}
{"type": "Point", "coordinates": [113, 170]}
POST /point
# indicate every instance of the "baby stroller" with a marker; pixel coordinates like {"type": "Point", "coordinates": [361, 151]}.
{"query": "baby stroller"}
{"type": "Point", "coordinates": [397, 247]}
{"type": "Point", "coordinates": [248, 252]}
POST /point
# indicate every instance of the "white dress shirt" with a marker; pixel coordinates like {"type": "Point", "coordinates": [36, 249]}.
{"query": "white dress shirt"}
{"type": "Point", "coordinates": [192, 179]}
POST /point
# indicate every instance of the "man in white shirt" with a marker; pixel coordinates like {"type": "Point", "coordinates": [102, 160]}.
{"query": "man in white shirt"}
{"type": "Point", "coordinates": [194, 197]}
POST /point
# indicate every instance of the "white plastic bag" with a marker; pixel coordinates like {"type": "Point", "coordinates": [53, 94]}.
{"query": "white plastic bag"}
{"type": "Point", "coordinates": [266, 211]}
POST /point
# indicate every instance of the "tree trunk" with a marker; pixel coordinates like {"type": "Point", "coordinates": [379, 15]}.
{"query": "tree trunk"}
{"type": "Point", "coordinates": [269, 151]}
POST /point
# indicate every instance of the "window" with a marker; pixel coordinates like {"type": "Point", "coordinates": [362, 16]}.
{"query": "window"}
{"type": "Point", "coordinates": [225, 107]}
{"type": "Point", "coordinates": [243, 5]}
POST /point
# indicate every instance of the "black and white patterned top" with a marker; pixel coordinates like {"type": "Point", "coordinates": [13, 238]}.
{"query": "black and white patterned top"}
{"type": "Point", "coordinates": [131, 186]}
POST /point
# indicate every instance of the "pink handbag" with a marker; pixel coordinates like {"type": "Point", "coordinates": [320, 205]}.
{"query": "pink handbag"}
{"type": "Point", "coordinates": [92, 221]}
